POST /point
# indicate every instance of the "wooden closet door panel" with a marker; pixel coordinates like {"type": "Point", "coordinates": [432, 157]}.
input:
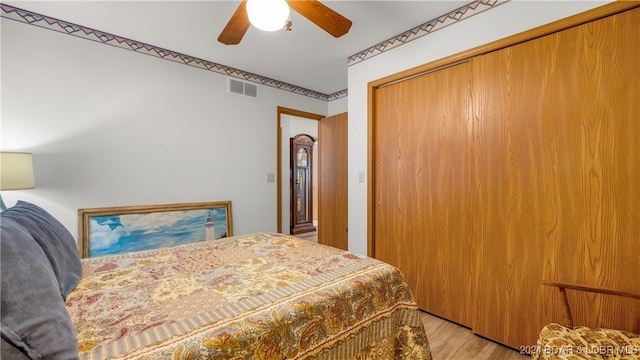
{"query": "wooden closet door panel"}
{"type": "Point", "coordinates": [558, 178]}
{"type": "Point", "coordinates": [423, 198]}
{"type": "Point", "coordinates": [511, 86]}
{"type": "Point", "coordinates": [592, 152]}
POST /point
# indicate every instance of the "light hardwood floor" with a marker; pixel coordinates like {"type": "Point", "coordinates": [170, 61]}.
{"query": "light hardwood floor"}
{"type": "Point", "coordinates": [452, 341]}
{"type": "Point", "coordinates": [311, 236]}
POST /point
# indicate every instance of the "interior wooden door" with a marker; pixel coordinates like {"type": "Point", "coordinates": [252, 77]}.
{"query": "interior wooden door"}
{"type": "Point", "coordinates": [424, 188]}
{"type": "Point", "coordinates": [332, 187]}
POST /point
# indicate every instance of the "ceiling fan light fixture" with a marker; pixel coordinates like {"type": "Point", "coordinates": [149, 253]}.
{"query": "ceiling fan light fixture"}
{"type": "Point", "coordinates": [268, 15]}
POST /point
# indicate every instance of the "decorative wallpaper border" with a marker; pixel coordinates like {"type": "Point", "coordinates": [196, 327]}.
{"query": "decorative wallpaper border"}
{"type": "Point", "coordinates": [453, 17]}
{"type": "Point", "coordinates": [14, 13]}
{"type": "Point", "coordinates": [28, 17]}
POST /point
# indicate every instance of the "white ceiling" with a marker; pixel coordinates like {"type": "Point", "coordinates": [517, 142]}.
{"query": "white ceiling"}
{"type": "Point", "coordinates": [306, 57]}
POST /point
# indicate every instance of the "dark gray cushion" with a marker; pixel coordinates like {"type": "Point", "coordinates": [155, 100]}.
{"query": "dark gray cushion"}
{"type": "Point", "coordinates": [8, 351]}
{"type": "Point", "coordinates": [55, 240]}
{"type": "Point", "coordinates": [34, 319]}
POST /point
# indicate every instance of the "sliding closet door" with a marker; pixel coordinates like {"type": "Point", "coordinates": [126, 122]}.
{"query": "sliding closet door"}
{"type": "Point", "coordinates": [518, 166]}
{"type": "Point", "coordinates": [423, 188]}
{"type": "Point", "coordinates": [559, 198]}
{"type": "Point", "coordinates": [592, 164]}
{"type": "Point", "coordinates": [512, 85]}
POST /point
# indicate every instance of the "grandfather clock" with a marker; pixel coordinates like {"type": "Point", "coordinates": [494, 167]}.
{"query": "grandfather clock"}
{"type": "Point", "coordinates": [301, 197]}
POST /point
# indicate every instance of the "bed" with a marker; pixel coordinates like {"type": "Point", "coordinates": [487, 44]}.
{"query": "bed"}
{"type": "Point", "coordinates": [256, 296]}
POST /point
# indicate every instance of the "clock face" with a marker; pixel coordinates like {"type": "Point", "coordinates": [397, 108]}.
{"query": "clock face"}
{"type": "Point", "coordinates": [303, 157]}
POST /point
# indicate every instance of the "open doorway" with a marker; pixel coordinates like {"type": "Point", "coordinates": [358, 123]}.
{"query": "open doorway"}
{"type": "Point", "coordinates": [303, 180]}
{"type": "Point", "coordinates": [290, 122]}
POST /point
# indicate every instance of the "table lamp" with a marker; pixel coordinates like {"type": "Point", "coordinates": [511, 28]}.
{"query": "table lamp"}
{"type": "Point", "coordinates": [16, 172]}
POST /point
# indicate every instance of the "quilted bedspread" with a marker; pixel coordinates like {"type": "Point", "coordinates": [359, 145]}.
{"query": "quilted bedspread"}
{"type": "Point", "coordinates": [258, 296]}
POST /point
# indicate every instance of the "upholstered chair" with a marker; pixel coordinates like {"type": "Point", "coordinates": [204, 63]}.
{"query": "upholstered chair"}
{"type": "Point", "coordinates": [567, 341]}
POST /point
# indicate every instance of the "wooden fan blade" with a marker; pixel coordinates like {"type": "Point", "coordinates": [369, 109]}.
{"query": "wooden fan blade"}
{"type": "Point", "coordinates": [319, 14]}
{"type": "Point", "coordinates": [236, 27]}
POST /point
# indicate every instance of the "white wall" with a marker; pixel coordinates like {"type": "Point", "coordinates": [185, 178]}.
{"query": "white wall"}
{"type": "Point", "coordinates": [505, 20]}
{"type": "Point", "coordinates": [111, 127]}
{"type": "Point", "coordinates": [338, 106]}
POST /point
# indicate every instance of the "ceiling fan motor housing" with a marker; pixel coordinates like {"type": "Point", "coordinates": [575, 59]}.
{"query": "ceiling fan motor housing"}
{"type": "Point", "coordinates": [319, 14]}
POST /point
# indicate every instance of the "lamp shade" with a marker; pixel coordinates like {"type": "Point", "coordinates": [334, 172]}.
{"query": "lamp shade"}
{"type": "Point", "coordinates": [268, 15]}
{"type": "Point", "coordinates": [16, 171]}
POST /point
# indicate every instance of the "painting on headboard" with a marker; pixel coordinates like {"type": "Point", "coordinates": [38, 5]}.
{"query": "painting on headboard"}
{"type": "Point", "coordinates": [114, 230]}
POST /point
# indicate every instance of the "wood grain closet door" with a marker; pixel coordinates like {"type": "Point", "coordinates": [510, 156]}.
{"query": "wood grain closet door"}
{"type": "Point", "coordinates": [424, 190]}
{"type": "Point", "coordinates": [512, 85]}
{"type": "Point", "coordinates": [520, 165]}
{"type": "Point", "coordinates": [558, 187]}
{"type": "Point", "coordinates": [592, 164]}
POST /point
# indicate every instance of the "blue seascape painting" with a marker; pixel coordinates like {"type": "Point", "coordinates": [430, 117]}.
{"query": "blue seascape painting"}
{"type": "Point", "coordinates": [114, 234]}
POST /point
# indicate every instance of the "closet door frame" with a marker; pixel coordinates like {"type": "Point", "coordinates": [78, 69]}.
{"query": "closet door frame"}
{"type": "Point", "coordinates": [374, 88]}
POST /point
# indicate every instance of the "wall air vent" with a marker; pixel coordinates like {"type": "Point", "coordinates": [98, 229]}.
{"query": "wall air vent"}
{"type": "Point", "coordinates": [242, 88]}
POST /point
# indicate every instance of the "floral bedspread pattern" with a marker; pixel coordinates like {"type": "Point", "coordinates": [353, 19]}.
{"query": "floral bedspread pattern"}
{"type": "Point", "coordinates": [258, 296]}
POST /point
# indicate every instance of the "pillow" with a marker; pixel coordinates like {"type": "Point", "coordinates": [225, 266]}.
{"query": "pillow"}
{"type": "Point", "coordinates": [55, 240]}
{"type": "Point", "coordinates": [34, 322]}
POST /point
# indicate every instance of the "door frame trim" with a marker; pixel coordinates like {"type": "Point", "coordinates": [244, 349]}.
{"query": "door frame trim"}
{"type": "Point", "coordinates": [293, 112]}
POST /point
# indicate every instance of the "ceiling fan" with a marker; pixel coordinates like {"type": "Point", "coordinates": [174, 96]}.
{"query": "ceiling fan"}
{"type": "Point", "coordinates": [327, 19]}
